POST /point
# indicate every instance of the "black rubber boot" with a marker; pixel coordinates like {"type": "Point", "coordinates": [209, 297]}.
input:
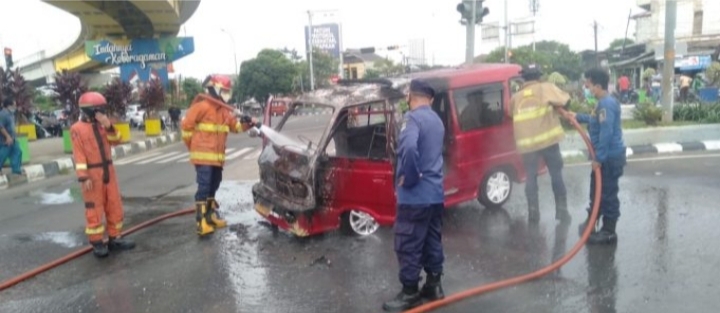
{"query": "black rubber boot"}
{"type": "Point", "coordinates": [117, 244]}
{"type": "Point", "coordinates": [561, 211]}
{"type": "Point", "coordinates": [408, 298]}
{"type": "Point", "coordinates": [100, 249]}
{"type": "Point", "coordinates": [606, 235]}
{"type": "Point", "coordinates": [432, 290]}
{"type": "Point", "coordinates": [581, 227]}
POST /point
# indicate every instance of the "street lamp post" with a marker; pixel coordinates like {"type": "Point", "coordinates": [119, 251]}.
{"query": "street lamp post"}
{"type": "Point", "coordinates": [232, 39]}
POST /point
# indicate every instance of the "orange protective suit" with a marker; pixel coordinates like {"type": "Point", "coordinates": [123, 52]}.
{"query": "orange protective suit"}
{"type": "Point", "coordinates": [205, 130]}
{"type": "Point", "coordinates": [93, 161]}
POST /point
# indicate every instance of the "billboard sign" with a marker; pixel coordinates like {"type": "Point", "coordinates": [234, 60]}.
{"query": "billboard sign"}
{"type": "Point", "coordinates": [693, 63]}
{"type": "Point", "coordinates": [140, 59]}
{"type": "Point", "coordinates": [325, 37]}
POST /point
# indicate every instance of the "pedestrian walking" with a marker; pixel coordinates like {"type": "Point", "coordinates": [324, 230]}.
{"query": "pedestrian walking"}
{"type": "Point", "coordinates": [420, 201]}
{"type": "Point", "coordinates": [174, 113]}
{"type": "Point", "coordinates": [605, 129]}
{"type": "Point", "coordinates": [204, 131]}
{"type": "Point", "coordinates": [92, 138]}
{"type": "Point", "coordinates": [9, 147]}
{"type": "Point", "coordinates": [538, 133]}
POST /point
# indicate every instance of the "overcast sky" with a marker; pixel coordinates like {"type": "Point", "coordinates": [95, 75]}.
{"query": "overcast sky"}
{"type": "Point", "coordinates": [30, 26]}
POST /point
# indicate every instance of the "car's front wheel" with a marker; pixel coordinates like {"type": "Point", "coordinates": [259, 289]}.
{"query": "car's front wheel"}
{"type": "Point", "coordinates": [495, 189]}
{"type": "Point", "coordinates": [358, 223]}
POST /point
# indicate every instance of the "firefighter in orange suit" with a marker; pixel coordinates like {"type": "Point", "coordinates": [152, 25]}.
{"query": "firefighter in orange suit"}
{"type": "Point", "coordinates": [92, 137]}
{"type": "Point", "coordinates": [204, 131]}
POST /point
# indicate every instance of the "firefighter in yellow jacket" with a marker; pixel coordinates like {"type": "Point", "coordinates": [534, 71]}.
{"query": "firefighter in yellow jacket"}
{"type": "Point", "coordinates": [538, 134]}
{"type": "Point", "coordinates": [204, 130]}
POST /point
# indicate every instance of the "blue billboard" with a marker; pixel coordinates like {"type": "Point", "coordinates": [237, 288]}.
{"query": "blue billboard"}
{"type": "Point", "coordinates": [140, 59]}
{"type": "Point", "coordinates": [325, 37]}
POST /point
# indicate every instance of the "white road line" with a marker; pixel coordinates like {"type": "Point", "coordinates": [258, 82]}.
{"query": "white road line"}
{"type": "Point", "coordinates": [238, 153]}
{"type": "Point", "coordinates": [136, 158]}
{"type": "Point", "coordinates": [254, 155]}
{"type": "Point", "coordinates": [159, 157]}
{"type": "Point", "coordinates": [180, 156]}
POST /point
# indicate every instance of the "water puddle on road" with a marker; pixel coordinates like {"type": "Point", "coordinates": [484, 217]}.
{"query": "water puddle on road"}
{"type": "Point", "coordinates": [238, 247]}
{"type": "Point", "coordinates": [65, 239]}
{"type": "Point", "coordinates": [67, 196]}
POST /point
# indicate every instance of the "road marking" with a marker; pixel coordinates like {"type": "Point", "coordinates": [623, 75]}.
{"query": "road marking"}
{"type": "Point", "coordinates": [238, 153]}
{"type": "Point", "coordinates": [159, 157]}
{"type": "Point", "coordinates": [254, 155]}
{"type": "Point", "coordinates": [182, 155]}
{"type": "Point", "coordinates": [136, 158]}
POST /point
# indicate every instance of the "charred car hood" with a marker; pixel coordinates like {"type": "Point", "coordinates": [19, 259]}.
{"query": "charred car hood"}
{"type": "Point", "coordinates": [286, 178]}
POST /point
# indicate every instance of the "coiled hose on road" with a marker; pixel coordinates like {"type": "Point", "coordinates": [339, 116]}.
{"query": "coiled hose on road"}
{"type": "Point", "coordinates": [424, 308]}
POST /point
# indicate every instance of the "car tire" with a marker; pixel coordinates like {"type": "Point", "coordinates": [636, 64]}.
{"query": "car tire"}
{"type": "Point", "coordinates": [358, 223]}
{"type": "Point", "coordinates": [495, 188]}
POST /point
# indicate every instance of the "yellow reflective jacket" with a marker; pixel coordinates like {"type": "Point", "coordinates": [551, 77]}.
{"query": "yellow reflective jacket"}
{"type": "Point", "coordinates": [536, 123]}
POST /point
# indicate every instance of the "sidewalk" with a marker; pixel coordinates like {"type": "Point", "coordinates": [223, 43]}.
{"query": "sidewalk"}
{"type": "Point", "coordinates": [656, 140]}
{"type": "Point", "coordinates": [47, 158]}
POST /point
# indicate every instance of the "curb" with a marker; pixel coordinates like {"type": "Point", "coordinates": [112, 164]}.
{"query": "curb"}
{"type": "Point", "coordinates": [37, 172]}
{"type": "Point", "coordinates": [657, 148]}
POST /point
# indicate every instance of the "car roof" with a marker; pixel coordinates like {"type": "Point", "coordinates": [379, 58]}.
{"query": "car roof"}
{"type": "Point", "coordinates": [353, 92]}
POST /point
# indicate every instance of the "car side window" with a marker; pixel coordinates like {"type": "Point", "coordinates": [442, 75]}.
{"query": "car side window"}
{"type": "Point", "coordinates": [479, 106]}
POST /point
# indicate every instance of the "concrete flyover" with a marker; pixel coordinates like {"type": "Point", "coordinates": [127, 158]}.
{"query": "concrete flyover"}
{"type": "Point", "coordinates": [121, 19]}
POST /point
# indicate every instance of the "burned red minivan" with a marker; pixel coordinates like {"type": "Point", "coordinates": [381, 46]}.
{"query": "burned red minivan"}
{"type": "Point", "coordinates": [341, 175]}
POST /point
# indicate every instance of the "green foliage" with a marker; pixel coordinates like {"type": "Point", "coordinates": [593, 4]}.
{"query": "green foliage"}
{"type": "Point", "coordinates": [371, 74]}
{"type": "Point", "coordinates": [403, 106]}
{"type": "Point", "coordinates": [648, 73]}
{"type": "Point", "coordinates": [557, 79]}
{"type": "Point", "coordinates": [324, 67]}
{"type": "Point", "coordinates": [42, 102]}
{"type": "Point", "coordinates": [551, 56]}
{"type": "Point", "coordinates": [68, 88]}
{"type": "Point", "coordinates": [152, 97]}
{"type": "Point", "coordinates": [387, 68]}
{"type": "Point", "coordinates": [712, 74]}
{"type": "Point", "coordinates": [192, 87]}
{"type": "Point", "coordinates": [648, 113]}
{"type": "Point", "coordinates": [271, 72]}
{"type": "Point", "coordinates": [578, 107]}
{"type": "Point", "coordinates": [118, 94]}
{"type": "Point", "coordinates": [703, 113]}
{"type": "Point", "coordinates": [618, 43]}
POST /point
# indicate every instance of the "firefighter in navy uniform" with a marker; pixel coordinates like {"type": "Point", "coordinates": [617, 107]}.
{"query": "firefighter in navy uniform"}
{"type": "Point", "coordinates": [605, 130]}
{"type": "Point", "coordinates": [92, 137]}
{"type": "Point", "coordinates": [420, 198]}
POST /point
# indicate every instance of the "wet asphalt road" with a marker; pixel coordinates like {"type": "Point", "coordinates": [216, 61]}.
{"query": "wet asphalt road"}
{"type": "Point", "coordinates": [666, 259]}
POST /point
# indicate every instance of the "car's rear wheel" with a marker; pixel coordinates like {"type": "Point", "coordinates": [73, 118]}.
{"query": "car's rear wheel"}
{"type": "Point", "coordinates": [358, 223]}
{"type": "Point", "coordinates": [495, 188]}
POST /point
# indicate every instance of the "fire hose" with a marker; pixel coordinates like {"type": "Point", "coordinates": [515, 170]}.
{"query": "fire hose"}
{"type": "Point", "coordinates": [482, 289]}
{"type": "Point", "coordinates": [424, 308]}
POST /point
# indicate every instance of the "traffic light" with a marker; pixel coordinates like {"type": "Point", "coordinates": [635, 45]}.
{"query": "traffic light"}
{"type": "Point", "coordinates": [465, 9]}
{"type": "Point", "coordinates": [8, 58]}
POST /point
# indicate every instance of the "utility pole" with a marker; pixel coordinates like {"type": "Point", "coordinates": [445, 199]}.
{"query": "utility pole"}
{"type": "Point", "coordinates": [534, 8]}
{"type": "Point", "coordinates": [507, 33]}
{"type": "Point", "coordinates": [595, 30]}
{"type": "Point", "coordinates": [310, 51]}
{"type": "Point", "coordinates": [669, 62]}
{"type": "Point", "coordinates": [470, 33]}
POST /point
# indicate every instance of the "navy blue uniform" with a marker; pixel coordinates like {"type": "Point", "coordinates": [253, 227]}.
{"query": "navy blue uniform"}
{"type": "Point", "coordinates": [420, 197]}
{"type": "Point", "coordinates": [605, 129]}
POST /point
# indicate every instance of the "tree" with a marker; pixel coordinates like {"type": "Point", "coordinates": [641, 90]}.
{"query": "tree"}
{"type": "Point", "coordinates": [324, 67]}
{"type": "Point", "coordinates": [118, 94]}
{"type": "Point", "coordinates": [371, 74]}
{"type": "Point", "coordinates": [271, 72]}
{"type": "Point", "coordinates": [5, 84]}
{"type": "Point", "coordinates": [557, 79]}
{"type": "Point", "coordinates": [152, 97]}
{"type": "Point", "coordinates": [618, 43]}
{"type": "Point", "coordinates": [191, 87]}
{"type": "Point", "coordinates": [551, 56]}
{"type": "Point", "coordinates": [68, 88]}
{"type": "Point", "coordinates": [388, 68]}
{"type": "Point", "coordinates": [23, 96]}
